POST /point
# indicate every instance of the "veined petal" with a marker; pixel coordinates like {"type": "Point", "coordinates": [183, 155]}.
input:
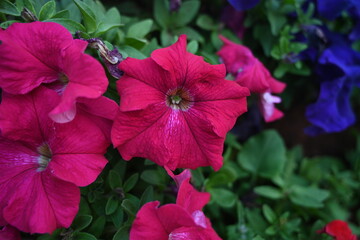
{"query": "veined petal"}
{"type": "Point", "coordinates": [30, 55]}
{"type": "Point", "coordinates": [41, 202]}
{"type": "Point", "coordinates": [80, 169]}
{"type": "Point", "coordinates": [190, 199]}
{"type": "Point", "coordinates": [153, 222]}
{"type": "Point", "coordinates": [86, 78]}
{"type": "Point", "coordinates": [137, 95]}
{"type": "Point", "coordinates": [148, 72]}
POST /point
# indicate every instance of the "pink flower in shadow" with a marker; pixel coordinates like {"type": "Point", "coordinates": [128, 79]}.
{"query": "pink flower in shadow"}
{"type": "Point", "coordinates": [251, 73]}
{"type": "Point", "coordinates": [42, 163]}
{"type": "Point", "coordinates": [45, 53]}
{"type": "Point", "coordinates": [183, 220]}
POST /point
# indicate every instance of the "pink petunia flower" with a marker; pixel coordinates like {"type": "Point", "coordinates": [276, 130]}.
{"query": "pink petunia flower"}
{"type": "Point", "coordinates": [183, 220]}
{"type": "Point", "coordinates": [251, 73]}
{"type": "Point", "coordinates": [9, 233]}
{"type": "Point", "coordinates": [339, 230]}
{"type": "Point", "coordinates": [175, 109]}
{"type": "Point", "coordinates": [45, 53]}
{"type": "Point", "coordinates": [43, 162]}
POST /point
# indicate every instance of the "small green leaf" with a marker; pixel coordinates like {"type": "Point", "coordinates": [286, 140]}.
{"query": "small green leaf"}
{"type": "Point", "coordinates": [186, 13]}
{"type": "Point", "coordinates": [269, 192]}
{"type": "Point", "coordinates": [269, 214]}
{"type": "Point", "coordinates": [264, 154]}
{"type": "Point", "coordinates": [62, 14]}
{"type": "Point", "coordinates": [308, 196]}
{"type": "Point", "coordinates": [8, 7]}
{"type": "Point", "coordinates": [161, 13]}
{"type": "Point", "coordinates": [97, 227]}
{"type": "Point", "coordinates": [69, 24]}
{"type": "Point", "coordinates": [114, 179]}
{"type": "Point", "coordinates": [122, 233]}
{"type": "Point", "coordinates": [130, 207]}
{"type": "Point", "coordinates": [88, 15]}
{"type": "Point", "coordinates": [81, 222]}
{"type": "Point", "coordinates": [193, 46]}
{"type": "Point", "coordinates": [83, 236]}
{"type": "Point", "coordinates": [223, 197]}
{"type": "Point", "coordinates": [47, 11]}
{"type": "Point", "coordinates": [205, 22]}
{"type": "Point", "coordinates": [152, 176]}
{"type": "Point", "coordinates": [131, 182]}
{"type": "Point", "coordinates": [111, 205]}
{"type": "Point", "coordinates": [117, 217]}
{"type": "Point", "coordinates": [140, 29]}
{"type": "Point", "coordinates": [6, 24]}
{"type": "Point", "coordinates": [147, 196]}
{"type": "Point", "coordinates": [191, 33]}
{"type": "Point", "coordinates": [111, 19]}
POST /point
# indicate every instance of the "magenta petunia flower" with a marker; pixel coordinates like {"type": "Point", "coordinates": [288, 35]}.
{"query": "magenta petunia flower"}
{"type": "Point", "coordinates": [175, 109]}
{"type": "Point", "coordinates": [183, 220]}
{"type": "Point", "coordinates": [338, 229]}
{"type": "Point", "coordinates": [45, 53]}
{"type": "Point", "coordinates": [42, 162]}
{"type": "Point", "coordinates": [251, 73]}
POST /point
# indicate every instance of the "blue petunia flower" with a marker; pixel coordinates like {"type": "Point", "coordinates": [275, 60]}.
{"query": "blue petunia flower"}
{"type": "Point", "coordinates": [242, 5]}
{"type": "Point", "coordinates": [339, 71]}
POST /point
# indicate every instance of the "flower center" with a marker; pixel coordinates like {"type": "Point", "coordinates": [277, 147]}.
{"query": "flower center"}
{"type": "Point", "coordinates": [63, 78]}
{"type": "Point", "coordinates": [45, 156]}
{"type": "Point", "coordinates": [179, 99]}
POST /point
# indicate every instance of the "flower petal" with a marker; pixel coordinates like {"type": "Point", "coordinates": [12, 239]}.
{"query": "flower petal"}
{"type": "Point", "coordinates": [190, 199]}
{"type": "Point", "coordinates": [86, 77]}
{"type": "Point", "coordinates": [30, 55]}
{"type": "Point", "coordinates": [41, 203]}
{"type": "Point", "coordinates": [9, 233]}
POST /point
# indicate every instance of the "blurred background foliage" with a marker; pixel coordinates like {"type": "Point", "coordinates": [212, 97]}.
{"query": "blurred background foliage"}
{"type": "Point", "coordinates": [276, 182]}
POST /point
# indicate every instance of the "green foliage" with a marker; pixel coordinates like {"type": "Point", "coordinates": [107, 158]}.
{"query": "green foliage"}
{"type": "Point", "coordinates": [265, 190]}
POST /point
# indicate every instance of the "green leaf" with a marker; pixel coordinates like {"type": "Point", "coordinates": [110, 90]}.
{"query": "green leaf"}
{"type": "Point", "coordinates": [6, 24]}
{"type": "Point", "coordinates": [269, 192]}
{"type": "Point", "coordinates": [8, 7]}
{"type": "Point", "coordinates": [130, 207]}
{"type": "Point", "coordinates": [117, 217]}
{"type": "Point", "coordinates": [223, 197]}
{"type": "Point", "coordinates": [140, 29]}
{"type": "Point", "coordinates": [131, 182]}
{"type": "Point", "coordinates": [308, 196]}
{"type": "Point", "coordinates": [255, 220]}
{"type": "Point", "coordinates": [88, 15]}
{"type": "Point", "coordinates": [122, 233]}
{"type": "Point", "coordinates": [193, 46]}
{"type": "Point", "coordinates": [30, 6]}
{"type": "Point", "coordinates": [69, 24]}
{"type": "Point", "coordinates": [205, 22]}
{"type": "Point", "coordinates": [81, 222]}
{"type": "Point", "coordinates": [147, 196]}
{"type": "Point", "coordinates": [269, 214]}
{"type": "Point", "coordinates": [97, 227]}
{"type": "Point", "coordinates": [114, 179]}
{"type": "Point", "coordinates": [111, 205]}
{"type": "Point", "coordinates": [191, 33]}
{"type": "Point", "coordinates": [83, 236]}
{"type": "Point", "coordinates": [264, 154]}
{"type": "Point", "coordinates": [62, 14]}
{"type": "Point", "coordinates": [111, 19]}
{"type": "Point", "coordinates": [47, 11]}
{"type": "Point", "coordinates": [128, 51]}
{"type": "Point", "coordinates": [153, 177]}
{"type": "Point", "coordinates": [161, 13]}
{"type": "Point", "coordinates": [186, 13]}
